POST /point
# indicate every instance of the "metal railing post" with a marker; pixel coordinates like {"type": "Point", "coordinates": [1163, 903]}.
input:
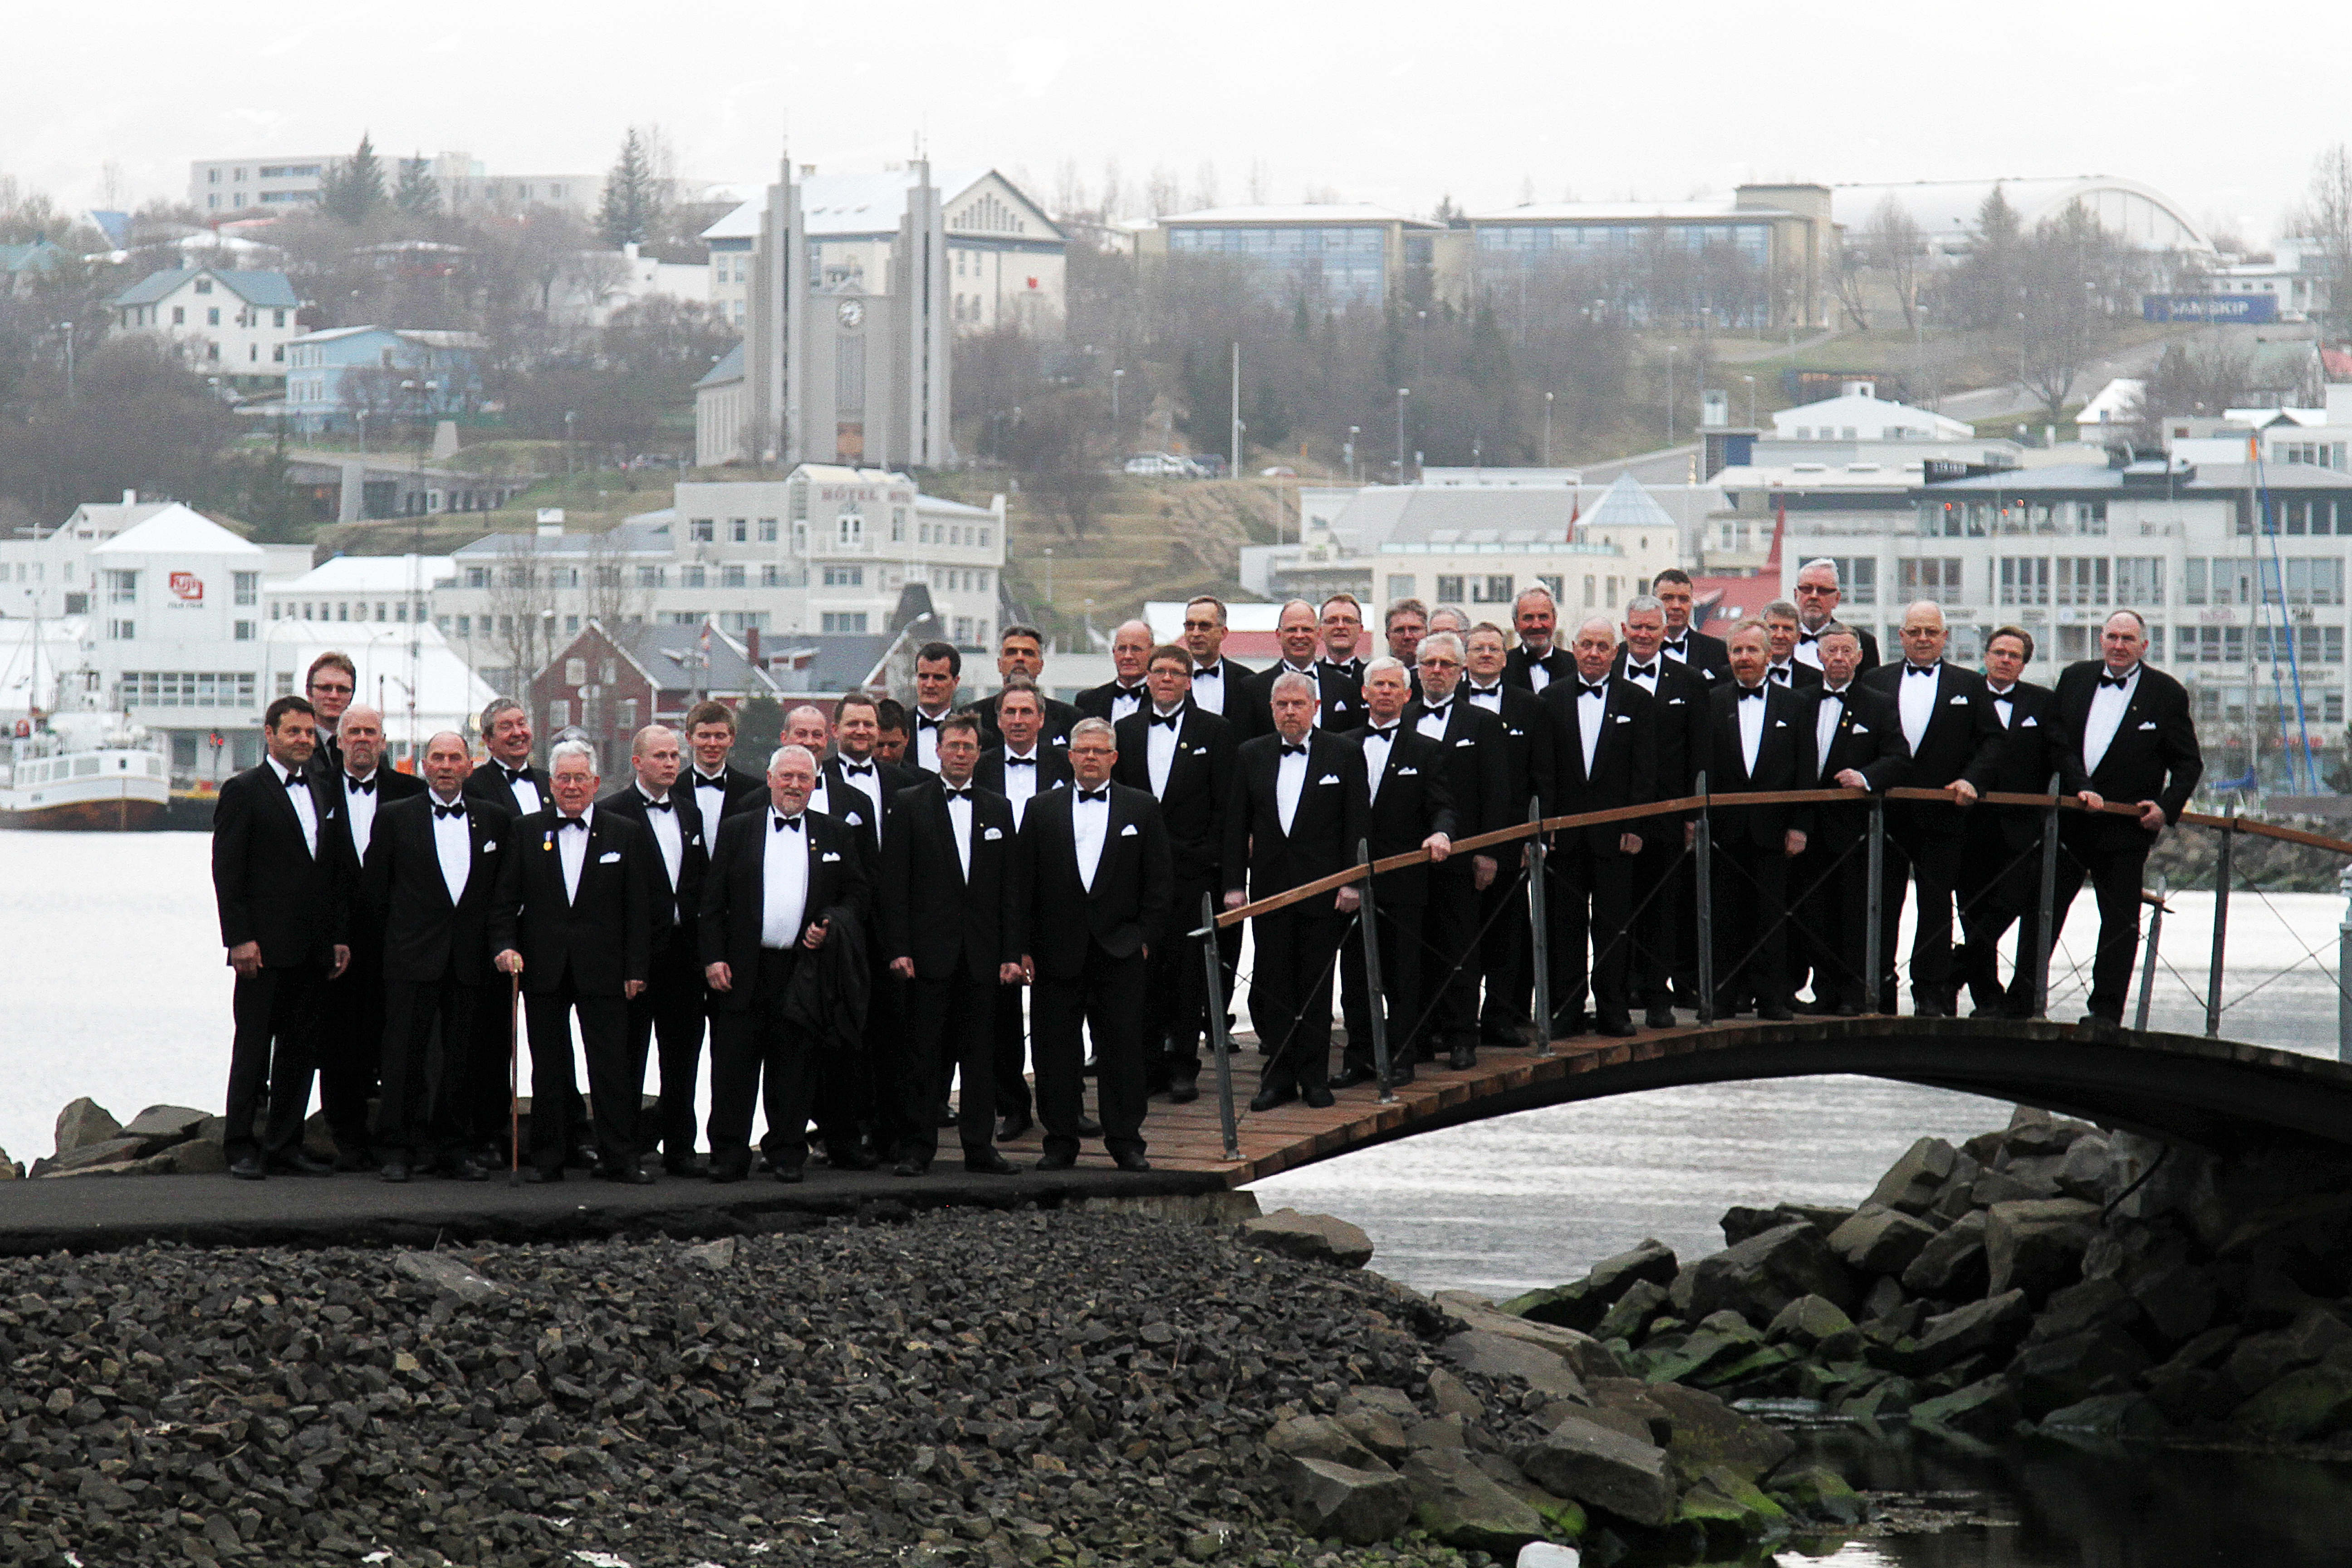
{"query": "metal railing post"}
{"type": "Point", "coordinates": [2221, 929]}
{"type": "Point", "coordinates": [2047, 940]}
{"type": "Point", "coordinates": [1376, 1007]}
{"type": "Point", "coordinates": [1539, 929]}
{"type": "Point", "coordinates": [2344, 970]}
{"type": "Point", "coordinates": [2147, 964]}
{"type": "Point", "coordinates": [1703, 876]}
{"type": "Point", "coordinates": [1219, 1036]}
{"type": "Point", "coordinates": [1873, 900]}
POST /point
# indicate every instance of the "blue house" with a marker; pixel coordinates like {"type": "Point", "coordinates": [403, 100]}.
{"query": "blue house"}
{"type": "Point", "coordinates": [345, 378]}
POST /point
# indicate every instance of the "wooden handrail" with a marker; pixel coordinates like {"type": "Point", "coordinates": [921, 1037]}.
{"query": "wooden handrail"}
{"type": "Point", "coordinates": [1681, 803]}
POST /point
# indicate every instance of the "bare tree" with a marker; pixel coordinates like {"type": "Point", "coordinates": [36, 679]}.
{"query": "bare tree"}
{"type": "Point", "coordinates": [2326, 215]}
{"type": "Point", "coordinates": [1847, 281]}
{"type": "Point", "coordinates": [1891, 241]}
{"type": "Point", "coordinates": [1161, 195]}
{"type": "Point", "coordinates": [522, 609]}
{"type": "Point", "coordinates": [2068, 272]}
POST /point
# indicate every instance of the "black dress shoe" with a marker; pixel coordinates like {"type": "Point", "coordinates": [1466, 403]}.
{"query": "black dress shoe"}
{"type": "Point", "coordinates": [1616, 1028]}
{"type": "Point", "coordinates": [1461, 1059]}
{"type": "Point", "coordinates": [1183, 1092]}
{"type": "Point", "coordinates": [354, 1160]}
{"type": "Point", "coordinates": [1059, 1160]}
{"type": "Point", "coordinates": [627, 1176]}
{"type": "Point", "coordinates": [790, 1175]}
{"type": "Point", "coordinates": [1931, 1009]}
{"type": "Point", "coordinates": [393, 1170]}
{"type": "Point", "coordinates": [1490, 1035]}
{"type": "Point", "coordinates": [989, 1164]}
{"type": "Point", "coordinates": [911, 1167]}
{"type": "Point", "coordinates": [1268, 1099]}
{"type": "Point", "coordinates": [297, 1164]}
{"type": "Point", "coordinates": [2092, 1027]}
{"type": "Point", "coordinates": [466, 1168]}
{"type": "Point", "coordinates": [1131, 1161]}
{"type": "Point", "coordinates": [246, 1168]}
{"type": "Point", "coordinates": [1659, 1017]}
{"type": "Point", "coordinates": [1014, 1125]}
{"type": "Point", "coordinates": [729, 1171]}
{"type": "Point", "coordinates": [944, 1116]}
{"type": "Point", "coordinates": [540, 1176]}
{"type": "Point", "coordinates": [851, 1159]}
{"type": "Point", "coordinates": [1401, 1075]}
{"type": "Point", "coordinates": [1089, 1127]}
{"type": "Point", "coordinates": [1316, 1098]}
{"type": "Point", "coordinates": [1350, 1076]}
{"type": "Point", "coordinates": [1774, 1013]}
{"type": "Point", "coordinates": [1849, 1009]}
{"type": "Point", "coordinates": [685, 1166]}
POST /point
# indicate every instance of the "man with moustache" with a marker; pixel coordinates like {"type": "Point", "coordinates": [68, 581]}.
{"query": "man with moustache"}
{"type": "Point", "coordinates": [1857, 745]}
{"type": "Point", "coordinates": [1708, 656]}
{"type": "Point", "coordinates": [1300, 806]}
{"type": "Point", "coordinates": [1295, 633]}
{"type": "Point", "coordinates": [1130, 652]}
{"type": "Point", "coordinates": [508, 781]}
{"type": "Point", "coordinates": [1021, 768]}
{"type": "Point", "coordinates": [1759, 740]}
{"type": "Point", "coordinates": [1183, 759]}
{"type": "Point", "coordinates": [1665, 958]}
{"type": "Point", "coordinates": [432, 872]}
{"type": "Point", "coordinates": [946, 929]}
{"type": "Point", "coordinates": [782, 882]}
{"type": "Point", "coordinates": [330, 683]}
{"type": "Point", "coordinates": [1817, 606]}
{"type": "Point", "coordinates": [2000, 859]}
{"type": "Point", "coordinates": [720, 788]}
{"type": "Point", "coordinates": [1606, 750]}
{"type": "Point", "coordinates": [283, 919]}
{"type": "Point", "coordinates": [574, 917]}
{"type": "Point", "coordinates": [1534, 664]}
{"type": "Point", "coordinates": [1021, 656]}
{"type": "Point", "coordinates": [939, 669]}
{"type": "Point", "coordinates": [1475, 746]}
{"type": "Point", "coordinates": [1529, 752]}
{"type": "Point", "coordinates": [1093, 896]}
{"type": "Point", "coordinates": [1218, 683]}
{"type": "Point", "coordinates": [668, 1014]}
{"type": "Point", "coordinates": [857, 787]}
{"type": "Point", "coordinates": [350, 1014]}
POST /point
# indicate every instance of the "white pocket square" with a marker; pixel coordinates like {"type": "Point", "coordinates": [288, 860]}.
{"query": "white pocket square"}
{"type": "Point", "coordinates": [1780, 724]}
{"type": "Point", "coordinates": [491, 847]}
{"type": "Point", "coordinates": [2147, 723]}
{"type": "Point", "coordinates": [1960, 701]}
{"type": "Point", "coordinates": [828, 855]}
{"type": "Point", "coordinates": [2029, 722]}
{"type": "Point", "coordinates": [1408, 772]}
{"type": "Point", "coordinates": [1328, 778]}
{"type": "Point", "coordinates": [1624, 718]}
{"type": "Point", "coordinates": [1466, 741]}
{"type": "Point", "coordinates": [853, 820]}
{"type": "Point", "coordinates": [610, 858]}
{"type": "Point", "coordinates": [1127, 832]}
{"type": "Point", "coordinates": [1862, 729]}
{"type": "Point", "coordinates": [994, 833]}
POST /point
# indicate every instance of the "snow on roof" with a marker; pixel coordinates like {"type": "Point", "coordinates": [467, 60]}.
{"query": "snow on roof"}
{"type": "Point", "coordinates": [1719, 206]}
{"type": "Point", "coordinates": [842, 205]}
{"type": "Point", "coordinates": [370, 574]}
{"type": "Point", "coordinates": [1873, 414]}
{"type": "Point", "coordinates": [177, 528]}
{"type": "Point", "coordinates": [1303, 212]}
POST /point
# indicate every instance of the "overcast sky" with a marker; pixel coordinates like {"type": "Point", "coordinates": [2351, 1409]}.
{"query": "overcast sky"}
{"type": "Point", "coordinates": [1373, 100]}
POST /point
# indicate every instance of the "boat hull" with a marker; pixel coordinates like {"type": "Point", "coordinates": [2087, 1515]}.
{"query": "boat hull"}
{"type": "Point", "coordinates": [123, 813]}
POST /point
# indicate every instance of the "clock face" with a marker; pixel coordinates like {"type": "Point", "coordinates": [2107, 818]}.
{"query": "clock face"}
{"type": "Point", "coordinates": [852, 312]}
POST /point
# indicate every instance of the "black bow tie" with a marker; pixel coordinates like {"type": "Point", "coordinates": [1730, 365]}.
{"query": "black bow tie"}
{"type": "Point", "coordinates": [1586, 689]}
{"type": "Point", "coordinates": [515, 775]}
{"type": "Point", "coordinates": [1089, 796]}
{"type": "Point", "coordinates": [1829, 696]}
{"type": "Point", "coordinates": [1676, 645]}
{"type": "Point", "coordinates": [1020, 762]}
{"type": "Point", "coordinates": [857, 770]}
{"type": "Point", "coordinates": [706, 781]}
{"type": "Point", "coordinates": [925, 721]}
{"type": "Point", "coordinates": [2008, 696]}
{"type": "Point", "coordinates": [1435, 710]}
{"type": "Point", "coordinates": [1748, 692]}
{"type": "Point", "coordinates": [792, 822]}
{"type": "Point", "coordinates": [360, 786]}
{"type": "Point", "coordinates": [1173, 720]}
{"type": "Point", "coordinates": [2118, 681]}
{"type": "Point", "coordinates": [1809, 636]}
{"type": "Point", "coordinates": [440, 811]}
{"type": "Point", "coordinates": [1299, 750]}
{"type": "Point", "coordinates": [579, 822]}
{"type": "Point", "coordinates": [1643, 672]}
{"type": "Point", "coordinates": [664, 804]}
{"type": "Point", "coordinates": [295, 780]}
{"type": "Point", "coordinates": [1784, 676]}
{"type": "Point", "coordinates": [1208, 671]}
{"type": "Point", "coordinates": [1384, 732]}
{"type": "Point", "coordinates": [964, 793]}
{"type": "Point", "coordinates": [1911, 669]}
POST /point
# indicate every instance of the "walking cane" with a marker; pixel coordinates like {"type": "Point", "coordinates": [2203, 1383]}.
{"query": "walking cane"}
{"type": "Point", "coordinates": [514, 1084]}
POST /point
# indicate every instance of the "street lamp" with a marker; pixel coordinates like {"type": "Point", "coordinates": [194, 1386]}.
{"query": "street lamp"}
{"type": "Point", "coordinates": [1402, 393]}
{"type": "Point", "coordinates": [1116, 375]}
{"type": "Point", "coordinates": [1751, 400]}
{"type": "Point", "coordinates": [66, 328]}
{"type": "Point", "coordinates": [1547, 441]}
{"type": "Point", "coordinates": [1670, 394]}
{"type": "Point", "coordinates": [1353, 431]}
{"type": "Point", "coordinates": [571, 417]}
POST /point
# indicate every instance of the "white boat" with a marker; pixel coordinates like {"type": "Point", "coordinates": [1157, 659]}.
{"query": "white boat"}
{"type": "Point", "coordinates": [92, 772]}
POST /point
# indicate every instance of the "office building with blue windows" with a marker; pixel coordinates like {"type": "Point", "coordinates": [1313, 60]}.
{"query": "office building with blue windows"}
{"type": "Point", "coordinates": [1337, 254]}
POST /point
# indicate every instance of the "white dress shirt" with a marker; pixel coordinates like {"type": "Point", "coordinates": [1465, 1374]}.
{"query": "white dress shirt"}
{"type": "Point", "coordinates": [1825, 722]}
{"type": "Point", "coordinates": [1209, 683]}
{"type": "Point", "coordinates": [1808, 649]}
{"type": "Point", "coordinates": [1289, 780]}
{"type": "Point", "coordinates": [867, 784]}
{"type": "Point", "coordinates": [1021, 782]}
{"type": "Point", "coordinates": [362, 805]}
{"type": "Point", "coordinates": [1490, 697]}
{"type": "Point", "coordinates": [2004, 701]}
{"type": "Point", "coordinates": [1377, 743]}
{"type": "Point", "coordinates": [1089, 826]}
{"type": "Point", "coordinates": [784, 881]}
{"type": "Point", "coordinates": [1537, 675]}
{"type": "Point", "coordinates": [1783, 675]}
{"type": "Point", "coordinates": [1647, 682]}
{"type": "Point", "coordinates": [1752, 724]}
{"type": "Point", "coordinates": [670, 837]}
{"type": "Point", "coordinates": [1433, 718]}
{"type": "Point", "coordinates": [709, 798]}
{"type": "Point", "coordinates": [960, 819]}
{"type": "Point", "coordinates": [1915, 695]}
{"type": "Point", "coordinates": [927, 739]}
{"type": "Point", "coordinates": [1676, 649]}
{"type": "Point", "coordinates": [2105, 717]}
{"type": "Point", "coordinates": [1591, 712]}
{"type": "Point", "coordinates": [571, 847]}
{"type": "Point", "coordinates": [304, 806]}
{"type": "Point", "coordinates": [1160, 750]}
{"type": "Point", "coordinates": [1126, 699]}
{"type": "Point", "coordinates": [820, 798]}
{"type": "Point", "coordinates": [526, 794]}
{"type": "Point", "coordinates": [453, 845]}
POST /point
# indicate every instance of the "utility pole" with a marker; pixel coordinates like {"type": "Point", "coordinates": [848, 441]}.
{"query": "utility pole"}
{"type": "Point", "coordinates": [1402, 393]}
{"type": "Point", "coordinates": [68, 328]}
{"type": "Point", "coordinates": [1547, 440]}
{"type": "Point", "coordinates": [1235, 430]}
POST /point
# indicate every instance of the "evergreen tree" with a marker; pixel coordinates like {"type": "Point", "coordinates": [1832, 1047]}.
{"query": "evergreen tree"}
{"type": "Point", "coordinates": [632, 204]}
{"type": "Point", "coordinates": [418, 193]}
{"type": "Point", "coordinates": [353, 187]}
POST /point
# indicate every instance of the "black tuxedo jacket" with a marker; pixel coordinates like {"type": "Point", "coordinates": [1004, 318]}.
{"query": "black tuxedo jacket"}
{"type": "Point", "coordinates": [1134, 883]}
{"type": "Point", "coordinates": [1255, 714]}
{"type": "Point", "coordinates": [1802, 675]}
{"type": "Point", "coordinates": [746, 791]}
{"type": "Point", "coordinates": [1059, 717]}
{"type": "Point", "coordinates": [679, 906]}
{"type": "Point", "coordinates": [1560, 664]}
{"type": "Point", "coordinates": [2154, 755]}
{"type": "Point", "coordinates": [1334, 812]}
{"type": "Point", "coordinates": [426, 936]}
{"type": "Point", "coordinates": [1528, 746]}
{"type": "Point", "coordinates": [268, 887]}
{"type": "Point", "coordinates": [850, 804]}
{"type": "Point", "coordinates": [605, 933]}
{"type": "Point", "coordinates": [734, 892]}
{"type": "Point", "coordinates": [1624, 759]}
{"type": "Point", "coordinates": [1094, 701]}
{"type": "Point", "coordinates": [328, 790]}
{"type": "Point", "coordinates": [1708, 657]}
{"type": "Point", "coordinates": [1682, 711]}
{"type": "Point", "coordinates": [1962, 739]}
{"type": "Point", "coordinates": [488, 782]}
{"type": "Point", "coordinates": [1414, 801]}
{"type": "Point", "coordinates": [1869, 660]}
{"type": "Point", "coordinates": [2024, 757]}
{"type": "Point", "coordinates": [1342, 686]}
{"type": "Point", "coordinates": [930, 911]}
{"type": "Point", "coordinates": [1475, 760]}
{"type": "Point", "coordinates": [1784, 761]}
{"type": "Point", "coordinates": [1052, 769]}
{"type": "Point", "coordinates": [1868, 738]}
{"type": "Point", "coordinates": [1232, 680]}
{"type": "Point", "coordinates": [1200, 787]}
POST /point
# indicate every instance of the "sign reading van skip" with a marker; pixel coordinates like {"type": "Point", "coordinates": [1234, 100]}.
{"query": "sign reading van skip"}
{"type": "Point", "coordinates": [2244, 310]}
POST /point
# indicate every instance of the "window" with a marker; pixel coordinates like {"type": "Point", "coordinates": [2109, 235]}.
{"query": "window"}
{"type": "Point", "coordinates": [690, 576]}
{"type": "Point", "coordinates": [2315, 580]}
{"type": "Point", "coordinates": [849, 530]}
{"type": "Point", "coordinates": [800, 501]}
{"type": "Point", "coordinates": [1492, 588]}
{"type": "Point", "coordinates": [741, 621]}
{"type": "Point", "coordinates": [1401, 585]}
{"type": "Point", "coordinates": [1926, 578]}
{"type": "Point", "coordinates": [575, 672]}
{"type": "Point", "coordinates": [2139, 581]}
{"type": "Point", "coordinates": [984, 537]}
{"type": "Point", "coordinates": [192, 688]}
{"type": "Point", "coordinates": [2082, 580]}
{"type": "Point", "coordinates": [771, 576]}
{"type": "Point", "coordinates": [739, 531]}
{"type": "Point", "coordinates": [699, 529]}
{"type": "Point", "coordinates": [767, 530]}
{"type": "Point", "coordinates": [179, 315]}
{"type": "Point", "coordinates": [572, 623]}
{"type": "Point", "coordinates": [1857, 580]}
{"type": "Point", "coordinates": [465, 626]}
{"type": "Point", "coordinates": [205, 284]}
{"type": "Point", "coordinates": [730, 576]}
{"type": "Point", "coordinates": [848, 621]}
{"type": "Point", "coordinates": [1449, 588]}
{"type": "Point", "coordinates": [121, 587]}
{"type": "Point", "coordinates": [559, 713]}
{"type": "Point", "coordinates": [245, 631]}
{"type": "Point", "coordinates": [845, 576]}
{"type": "Point", "coordinates": [2192, 581]}
{"type": "Point", "coordinates": [649, 576]}
{"type": "Point", "coordinates": [2024, 580]}
{"type": "Point", "coordinates": [211, 316]}
{"type": "Point", "coordinates": [897, 525]}
{"type": "Point", "coordinates": [625, 716]}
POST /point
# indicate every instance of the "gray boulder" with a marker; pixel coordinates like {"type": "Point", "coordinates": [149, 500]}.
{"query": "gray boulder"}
{"type": "Point", "coordinates": [195, 1157]}
{"type": "Point", "coordinates": [1912, 1183]}
{"type": "Point", "coordinates": [1740, 1224]}
{"type": "Point", "coordinates": [1582, 1459]}
{"type": "Point", "coordinates": [100, 1155]}
{"type": "Point", "coordinates": [1816, 1492]}
{"type": "Point", "coordinates": [1881, 1240]}
{"type": "Point", "coordinates": [1496, 1356]}
{"type": "Point", "coordinates": [1951, 1268]}
{"type": "Point", "coordinates": [1630, 1397]}
{"type": "Point", "coordinates": [715, 1256]}
{"type": "Point", "coordinates": [1358, 1507]}
{"type": "Point", "coordinates": [1651, 1260]}
{"type": "Point", "coordinates": [2300, 1406]}
{"type": "Point", "coordinates": [1322, 1437]}
{"type": "Point", "coordinates": [1707, 1434]}
{"type": "Point", "coordinates": [2177, 1298]}
{"type": "Point", "coordinates": [1587, 1356]}
{"type": "Point", "coordinates": [1462, 1506]}
{"type": "Point", "coordinates": [163, 1125]}
{"type": "Point", "coordinates": [2035, 1131]}
{"type": "Point", "coordinates": [1452, 1397]}
{"type": "Point", "coordinates": [84, 1122]}
{"type": "Point", "coordinates": [2261, 1360]}
{"type": "Point", "coordinates": [2037, 1245]}
{"type": "Point", "coordinates": [9, 1170]}
{"type": "Point", "coordinates": [448, 1275]}
{"type": "Point", "coordinates": [1994, 1323]}
{"type": "Point", "coordinates": [2008, 1187]}
{"type": "Point", "coordinates": [1815, 1324]}
{"type": "Point", "coordinates": [2083, 1172]}
{"type": "Point", "coordinates": [1625, 1320]}
{"type": "Point", "coordinates": [2087, 1305]}
{"type": "Point", "coordinates": [1381, 1431]}
{"type": "Point", "coordinates": [2054, 1374]}
{"type": "Point", "coordinates": [2108, 1416]}
{"type": "Point", "coordinates": [1765, 1273]}
{"type": "Point", "coordinates": [1373, 1398]}
{"type": "Point", "coordinates": [1310, 1237]}
{"type": "Point", "coordinates": [1985, 1408]}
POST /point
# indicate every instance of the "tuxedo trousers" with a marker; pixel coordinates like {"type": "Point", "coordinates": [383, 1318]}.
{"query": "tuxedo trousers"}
{"type": "Point", "coordinates": [1450, 958]}
{"type": "Point", "coordinates": [1008, 1059]}
{"type": "Point", "coordinates": [1503, 947]}
{"type": "Point", "coordinates": [497, 1036]}
{"type": "Point", "coordinates": [2115, 866]}
{"type": "Point", "coordinates": [276, 1014]}
{"type": "Point", "coordinates": [350, 1040]}
{"type": "Point", "coordinates": [1932, 860]}
{"type": "Point", "coordinates": [1177, 990]}
{"type": "Point", "coordinates": [759, 1056]}
{"type": "Point", "coordinates": [1831, 890]}
{"type": "Point", "coordinates": [1400, 926]}
{"type": "Point", "coordinates": [666, 1021]}
{"type": "Point", "coordinates": [428, 1031]}
{"type": "Point", "coordinates": [1592, 894]}
{"type": "Point", "coordinates": [1658, 920]}
{"type": "Point", "coordinates": [1104, 997]}
{"type": "Point", "coordinates": [2000, 886]}
{"type": "Point", "coordinates": [1290, 995]}
{"type": "Point", "coordinates": [950, 1027]}
{"type": "Point", "coordinates": [613, 1086]}
{"type": "Point", "coordinates": [1751, 927]}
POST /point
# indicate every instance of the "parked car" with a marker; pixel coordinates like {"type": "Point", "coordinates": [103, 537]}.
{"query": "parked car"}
{"type": "Point", "coordinates": [1166, 465]}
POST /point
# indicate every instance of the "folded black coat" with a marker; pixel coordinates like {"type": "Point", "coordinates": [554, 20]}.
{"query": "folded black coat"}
{"type": "Point", "coordinates": [827, 995]}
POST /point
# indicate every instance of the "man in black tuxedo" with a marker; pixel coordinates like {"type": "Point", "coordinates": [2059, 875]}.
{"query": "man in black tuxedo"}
{"type": "Point", "coordinates": [858, 1096]}
{"type": "Point", "coordinates": [1784, 668]}
{"type": "Point", "coordinates": [720, 788]}
{"type": "Point", "coordinates": [890, 738]}
{"type": "Point", "coordinates": [1021, 767]}
{"type": "Point", "coordinates": [1411, 809]}
{"type": "Point", "coordinates": [1406, 623]}
{"type": "Point", "coordinates": [1818, 599]}
{"type": "Point", "coordinates": [1606, 757]}
{"type": "Point", "coordinates": [574, 917]}
{"type": "Point", "coordinates": [1664, 877]}
{"type": "Point", "coordinates": [669, 1011]}
{"type": "Point", "coordinates": [330, 683]}
{"type": "Point", "coordinates": [2127, 736]}
{"type": "Point", "coordinates": [432, 876]}
{"type": "Point", "coordinates": [350, 1013]}
{"type": "Point", "coordinates": [1759, 740]}
{"type": "Point", "coordinates": [283, 919]}
{"type": "Point", "coordinates": [947, 913]}
{"type": "Point", "coordinates": [1857, 745]}
{"type": "Point", "coordinates": [784, 882]}
{"type": "Point", "coordinates": [1300, 806]}
{"type": "Point", "coordinates": [1340, 669]}
{"type": "Point", "coordinates": [1183, 759]}
{"type": "Point", "coordinates": [1534, 664]}
{"type": "Point", "coordinates": [939, 673]}
{"type": "Point", "coordinates": [1217, 681]}
{"type": "Point", "coordinates": [1949, 724]}
{"type": "Point", "coordinates": [1093, 886]}
{"type": "Point", "coordinates": [1504, 946]}
{"type": "Point", "coordinates": [1295, 634]}
{"type": "Point", "coordinates": [1125, 694]}
{"type": "Point", "coordinates": [2000, 862]}
{"type": "Point", "coordinates": [508, 779]}
{"type": "Point", "coordinates": [1475, 746]}
{"type": "Point", "coordinates": [1021, 656]}
{"type": "Point", "coordinates": [1708, 656]}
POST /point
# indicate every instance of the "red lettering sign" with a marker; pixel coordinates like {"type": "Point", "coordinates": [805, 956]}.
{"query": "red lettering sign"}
{"type": "Point", "coordinates": [188, 586]}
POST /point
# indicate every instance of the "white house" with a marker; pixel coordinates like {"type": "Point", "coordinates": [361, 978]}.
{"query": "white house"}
{"type": "Point", "coordinates": [1860, 415]}
{"type": "Point", "coordinates": [235, 323]}
{"type": "Point", "coordinates": [50, 572]}
{"type": "Point", "coordinates": [384, 590]}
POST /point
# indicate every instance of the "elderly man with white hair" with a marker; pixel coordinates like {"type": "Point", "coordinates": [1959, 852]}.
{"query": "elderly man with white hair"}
{"type": "Point", "coordinates": [1817, 597]}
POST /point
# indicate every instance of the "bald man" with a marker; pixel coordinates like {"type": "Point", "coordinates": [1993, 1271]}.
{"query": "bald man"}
{"type": "Point", "coordinates": [1131, 660]}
